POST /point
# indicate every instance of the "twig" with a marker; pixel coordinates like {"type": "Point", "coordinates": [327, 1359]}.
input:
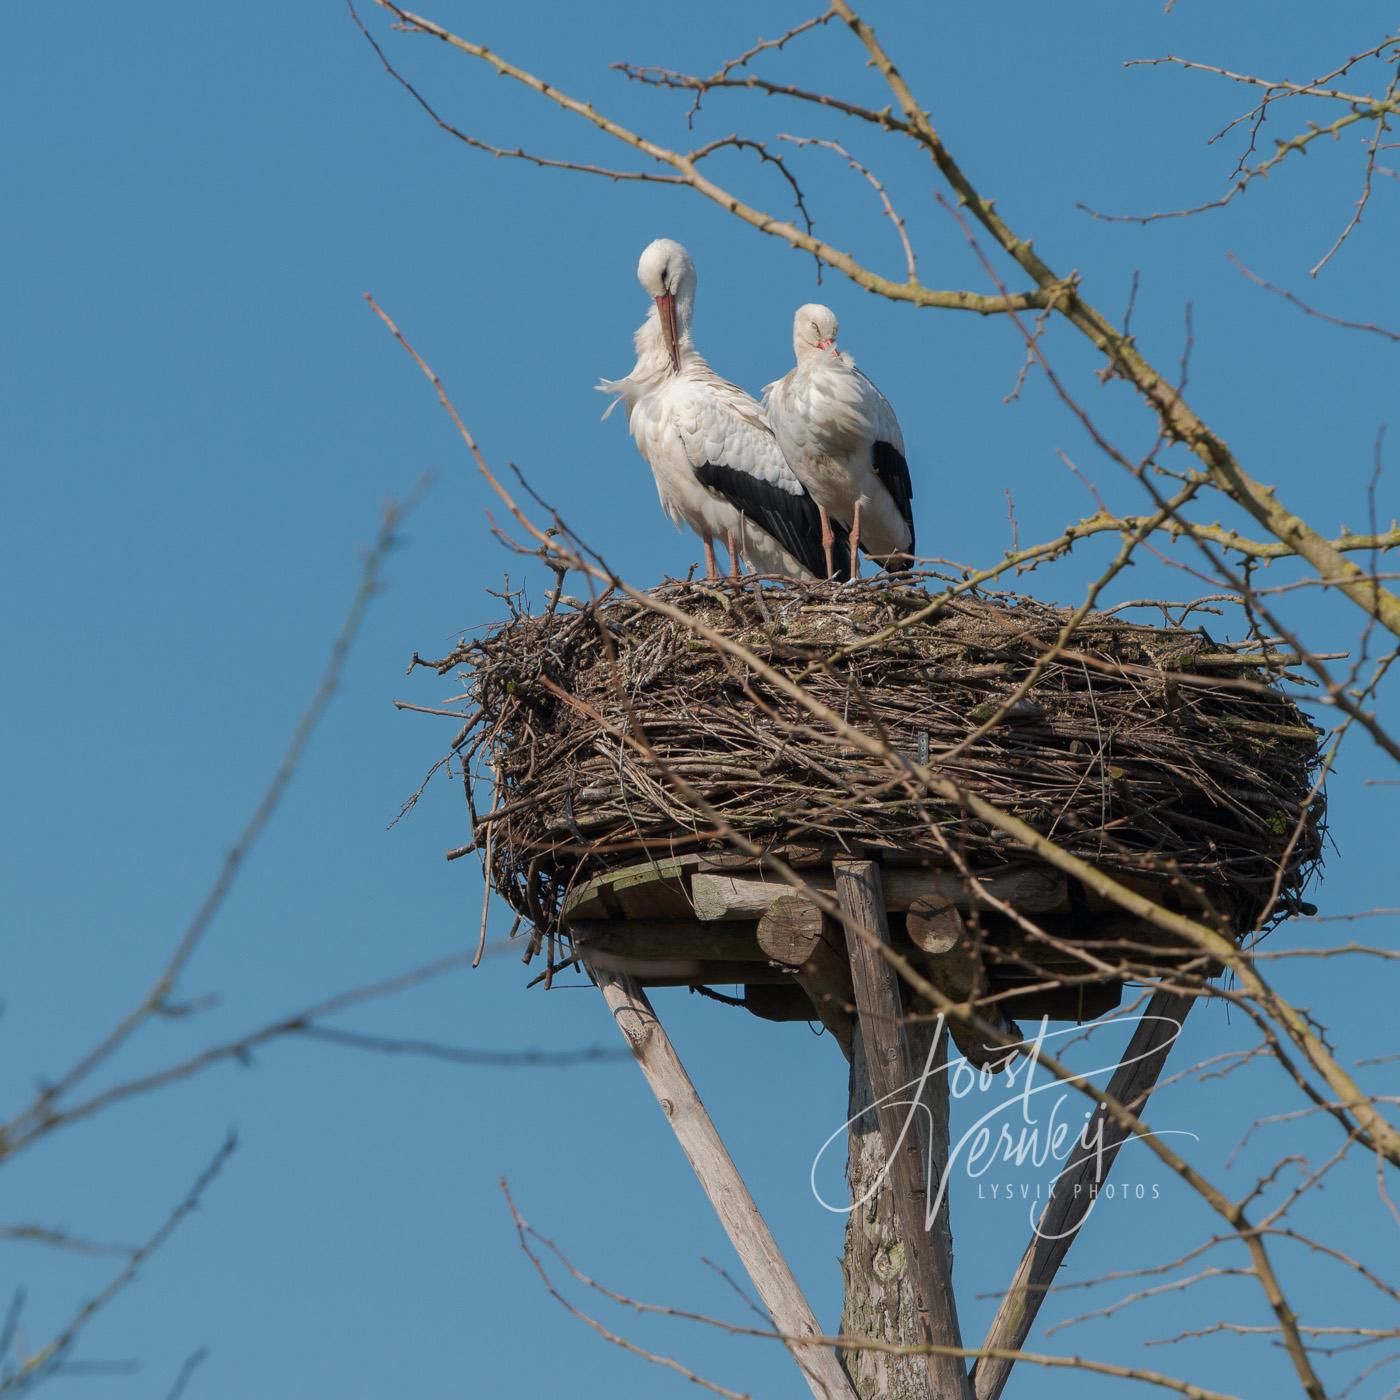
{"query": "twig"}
{"type": "Point", "coordinates": [1309, 310]}
{"type": "Point", "coordinates": [45, 1108]}
{"type": "Point", "coordinates": [887, 208]}
{"type": "Point", "coordinates": [34, 1367]}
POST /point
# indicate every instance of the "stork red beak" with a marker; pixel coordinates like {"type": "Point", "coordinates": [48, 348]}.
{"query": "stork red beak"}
{"type": "Point", "coordinates": [666, 309]}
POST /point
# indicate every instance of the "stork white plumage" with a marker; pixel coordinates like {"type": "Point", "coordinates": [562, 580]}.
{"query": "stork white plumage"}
{"type": "Point", "coordinates": [840, 435]}
{"type": "Point", "coordinates": [717, 465]}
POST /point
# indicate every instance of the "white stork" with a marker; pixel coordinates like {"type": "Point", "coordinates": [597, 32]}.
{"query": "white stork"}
{"type": "Point", "coordinates": [839, 434]}
{"type": "Point", "coordinates": [717, 465]}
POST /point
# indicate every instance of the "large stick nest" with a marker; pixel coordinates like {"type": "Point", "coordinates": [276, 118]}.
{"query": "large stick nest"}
{"type": "Point", "coordinates": [1148, 751]}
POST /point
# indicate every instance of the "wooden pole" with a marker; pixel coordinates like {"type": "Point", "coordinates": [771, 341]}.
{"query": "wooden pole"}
{"type": "Point", "coordinates": [889, 1064]}
{"type": "Point", "coordinates": [705, 1150]}
{"type": "Point", "coordinates": [1132, 1083]}
{"type": "Point", "coordinates": [880, 1297]}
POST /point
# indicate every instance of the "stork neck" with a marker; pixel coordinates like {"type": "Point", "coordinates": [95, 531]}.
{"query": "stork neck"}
{"type": "Point", "coordinates": [653, 354]}
{"type": "Point", "coordinates": [812, 358]}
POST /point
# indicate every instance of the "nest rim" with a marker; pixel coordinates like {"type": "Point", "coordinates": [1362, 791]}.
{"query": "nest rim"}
{"type": "Point", "coordinates": [1132, 737]}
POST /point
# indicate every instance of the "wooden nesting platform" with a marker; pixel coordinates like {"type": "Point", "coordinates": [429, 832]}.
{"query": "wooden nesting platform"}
{"type": "Point", "coordinates": [614, 755]}
{"type": "Point", "coordinates": [695, 919]}
{"type": "Point", "coordinates": [716, 920]}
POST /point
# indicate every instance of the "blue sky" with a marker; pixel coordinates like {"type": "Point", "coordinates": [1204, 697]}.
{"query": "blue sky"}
{"type": "Point", "coordinates": [200, 420]}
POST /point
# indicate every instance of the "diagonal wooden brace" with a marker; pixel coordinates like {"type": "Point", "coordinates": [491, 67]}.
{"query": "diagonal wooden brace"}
{"type": "Point", "coordinates": [705, 1150]}
{"type": "Point", "coordinates": [1132, 1083]}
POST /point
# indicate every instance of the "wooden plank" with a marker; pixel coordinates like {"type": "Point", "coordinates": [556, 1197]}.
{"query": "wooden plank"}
{"type": "Point", "coordinates": [667, 938]}
{"type": "Point", "coordinates": [656, 899]}
{"type": "Point", "coordinates": [685, 972]}
{"type": "Point", "coordinates": [609, 894]}
{"type": "Point", "coordinates": [602, 897]}
{"type": "Point", "coordinates": [1131, 1085]}
{"type": "Point", "coordinates": [1155, 889]}
{"type": "Point", "coordinates": [1031, 889]}
{"type": "Point", "coordinates": [1108, 933]}
{"type": "Point", "coordinates": [1084, 1001]}
{"type": "Point", "coordinates": [781, 1003]}
{"type": "Point", "coordinates": [795, 934]}
{"type": "Point", "coordinates": [711, 974]}
{"type": "Point", "coordinates": [720, 1179]}
{"type": "Point", "coordinates": [1007, 949]}
{"type": "Point", "coordinates": [881, 1019]}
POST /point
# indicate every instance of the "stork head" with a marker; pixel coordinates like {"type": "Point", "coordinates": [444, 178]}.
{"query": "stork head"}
{"type": "Point", "coordinates": [667, 276]}
{"type": "Point", "coordinates": [813, 331]}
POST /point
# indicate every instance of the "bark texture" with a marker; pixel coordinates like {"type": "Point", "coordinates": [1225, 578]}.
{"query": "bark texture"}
{"type": "Point", "coordinates": [880, 1299]}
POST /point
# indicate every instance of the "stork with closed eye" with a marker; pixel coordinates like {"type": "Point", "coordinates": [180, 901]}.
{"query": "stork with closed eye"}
{"type": "Point", "coordinates": [839, 434]}
{"type": "Point", "coordinates": [717, 464]}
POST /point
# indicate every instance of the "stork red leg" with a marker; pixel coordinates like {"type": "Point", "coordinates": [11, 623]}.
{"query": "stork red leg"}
{"type": "Point", "coordinates": [711, 564]}
{"type": "Point", "coordinates": [733, 555]}
{"type": "Point", "coordinates": [855, 542]}
{"type": "Point", "coordinates": [828, 539]}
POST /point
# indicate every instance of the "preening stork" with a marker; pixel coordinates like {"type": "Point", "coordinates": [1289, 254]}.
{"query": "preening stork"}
{"type": "Point", "coordinates": [717, 465]}
{"type": "Point", "coordinates": [839, 434]}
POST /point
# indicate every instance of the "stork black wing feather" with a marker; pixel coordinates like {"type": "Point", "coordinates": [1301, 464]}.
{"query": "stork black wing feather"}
{"type": "Point", "coordinates": [791, 519]}
{"type": "Point", "coordinates": [893, 471]}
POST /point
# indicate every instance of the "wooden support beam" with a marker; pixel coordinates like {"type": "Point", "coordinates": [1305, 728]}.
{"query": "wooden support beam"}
{"type": "Point", "coordinates": [786, 1002]}
{"type": "Point", "coordinates": [795, 934]}
{"type": "Point", "coordinates": [934, 924]}
{"type": "Point", "coordinates": [888, 1063]}
{"type": "Point", "coordinates": [668, 938]}
{"type": "Point", "coordinates": [953, 962]}
{"type": "Point", "coordinates": [1032, 889]}
{"type": "Point", "coordinates": [660, 888]}
{"type": "Point", "coordinates": [1131, 1085]}
{"type": "Point", "coordinates": [661, 969]}
{"type": "Point", "coordinates": [792, 930]}
{"type": "Point", "coordinates": [1082, 1001]}
{"type": "Point", "coordinates": [706, 1153]}
{"type": "Point", "coordinates": [705, 974]}
{"type": "Point", "coordinates": [1107, 935]}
